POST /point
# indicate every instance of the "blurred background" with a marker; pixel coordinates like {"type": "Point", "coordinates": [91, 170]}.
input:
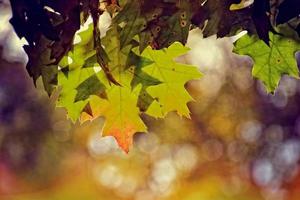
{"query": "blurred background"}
{"type": "Point", "coordinates": [241, 144]}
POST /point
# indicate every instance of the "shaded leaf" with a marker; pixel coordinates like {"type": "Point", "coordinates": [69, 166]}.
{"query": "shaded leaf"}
{"type": "Point", "coordinates": [40, 63]}
{"type": "Point", "coordinates": [221, 20]}
{"type": "Point", "coordinates": [225, 22]}
{"type": "Point", "coordinates": [158, 23]}
{"type": "Point", "coordinates": [287, 10]}
{"type": "Point", "coordinates": [140, 77]}
{"type": "Point", "coordinates": [90, 86]}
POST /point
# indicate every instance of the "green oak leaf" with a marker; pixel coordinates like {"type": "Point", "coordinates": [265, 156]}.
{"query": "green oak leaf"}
{"type": "Point", "coordinates": [122, 115]}
{"type": "Point", "coordinates": [87, 94]}
{"type": "Point", "coordinates": [77, 82]}
{"type": "Point", "coordinates": [120, 109]}
{"type": "Point", "coordinates": [270, 62]}
{"type": "Point", "coordinates": [69, 93]}
{"type": "Point", "coordinates": [171, 94]}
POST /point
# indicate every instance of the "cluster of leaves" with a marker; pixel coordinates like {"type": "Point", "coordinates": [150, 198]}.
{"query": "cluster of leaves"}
{"type": "Point", "coordinates": [146, 82]}
{"type": "Point", "coordinates": [132, 69]}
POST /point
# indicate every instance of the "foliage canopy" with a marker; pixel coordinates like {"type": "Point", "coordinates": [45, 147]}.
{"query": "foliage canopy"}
{"type": "Point", "coordinates": [131, 70]}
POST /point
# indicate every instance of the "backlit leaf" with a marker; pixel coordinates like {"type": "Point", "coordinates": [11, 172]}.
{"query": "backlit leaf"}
{"type": "Point", "coordinates": [270, 62]}
{"type": "Point", "coordinates": [171, 94]}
